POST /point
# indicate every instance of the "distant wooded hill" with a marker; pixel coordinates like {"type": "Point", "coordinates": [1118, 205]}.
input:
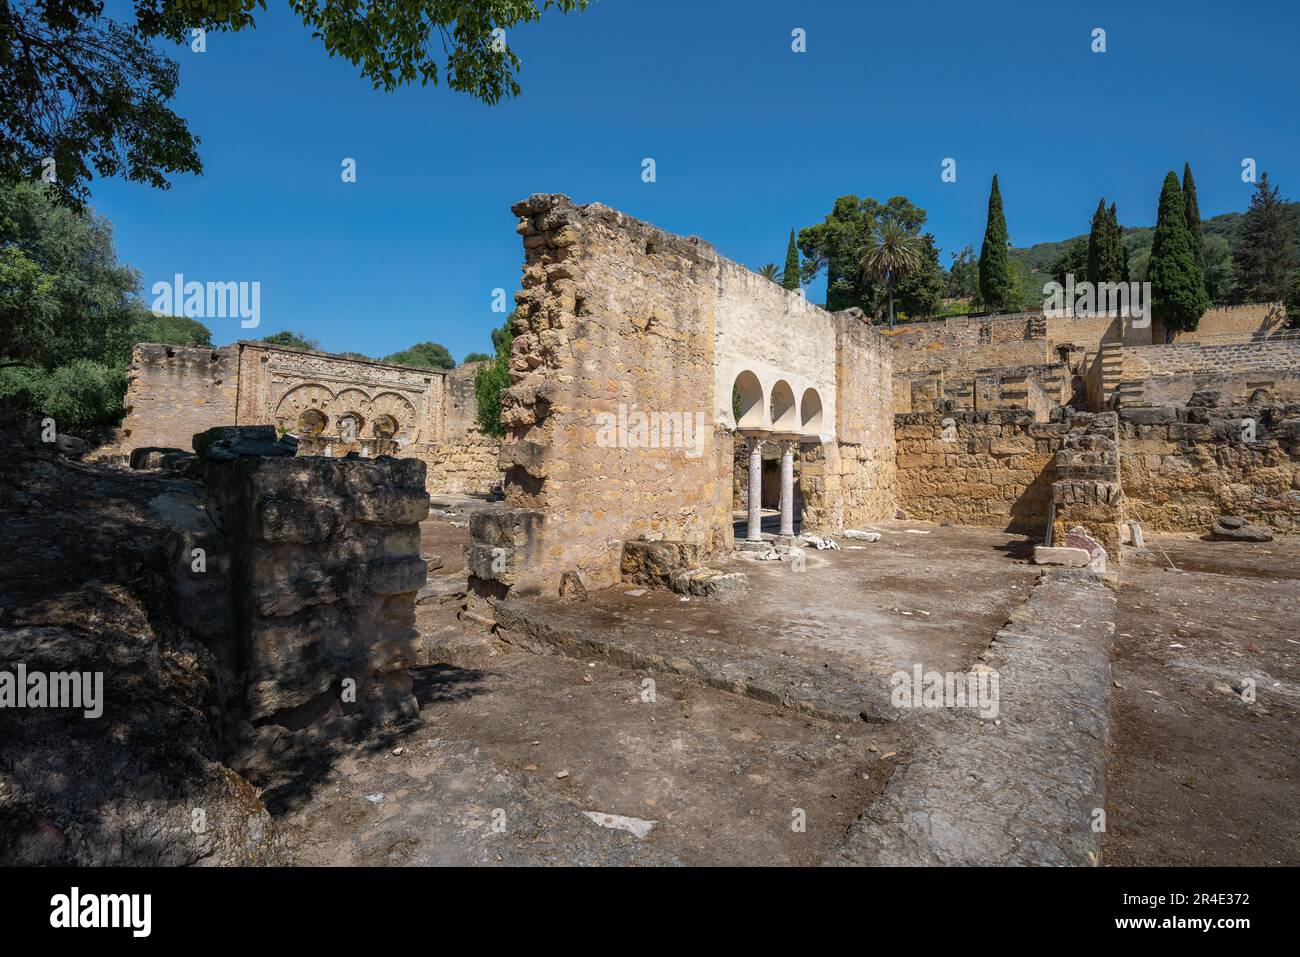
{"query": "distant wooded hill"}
{"type": "Point", "coordinates": [1137, 239]}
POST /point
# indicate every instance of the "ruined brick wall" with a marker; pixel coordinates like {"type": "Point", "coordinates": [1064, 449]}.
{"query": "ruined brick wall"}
{"type": "Point", "coordinates": [1169, 374]}
{"type": "Point", "coordinates": [615, 322]}
{"type": "Point", "coordinates": [176, 391]}
{"type": "Point", "coordinates": [325, 562]}
{"type": "Point", "coordinates": [991, 468]}
{"type": "Point", "coordinates": [468, 465]}
{"type": "Point", "coordinates": [1183, 468]}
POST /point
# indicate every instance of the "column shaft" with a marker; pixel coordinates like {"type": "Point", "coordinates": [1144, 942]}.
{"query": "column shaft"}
{"type": "Point", "coordinates": [755, 531]}
{"type": "Point", "coordinates": [787, 489]}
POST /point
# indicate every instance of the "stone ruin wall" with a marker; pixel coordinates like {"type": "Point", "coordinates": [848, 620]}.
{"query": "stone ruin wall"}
{"type": "Point", "coordinates": [1003, 469]}
{"type": "Point", "coordinates": [851, 481]}
{"type": "Point", "coordinates": [992, 468]}
{"type": "Point", "coordinates": [325, 563]}
{"type": "Point", "coordinates": [1183, 468]}
{"type": "Point", "coordinates": [613, 312]}
{"type": "Point", "coordinates": [175, 392]}
{"type": "Point", "coordinates": [1168, 375]}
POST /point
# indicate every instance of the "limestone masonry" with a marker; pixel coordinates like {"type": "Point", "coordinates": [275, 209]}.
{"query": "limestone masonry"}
{"type": "Point", "coordinates": [335, 405]}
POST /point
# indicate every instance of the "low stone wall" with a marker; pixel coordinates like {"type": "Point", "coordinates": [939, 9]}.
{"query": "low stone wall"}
{"type": "Point", "coordinates": [467, 466]}
{"type": "Point", "coordinates": [1002, 469]}
{"type": "Point", "coordinates": [978, 468]}
{"type": "Point", "coordinates": [1231, 322]}
{"type": "Point", "coordinates": [1182, 468]}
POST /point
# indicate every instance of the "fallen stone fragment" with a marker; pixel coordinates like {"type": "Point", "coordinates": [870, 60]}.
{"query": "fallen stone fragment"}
{"type": "Point", "coordinates": [861, 536]}
{"type": "Point", "coordinates": [821, 543]}
{"type": "Point", "coordinates": [1069, 557]}
{"type": "Point", "coordinates": [572, 588]}
{"type": "Point", "coordinates": [1080, 537]}
{"type": "Point", "coordinates": [1242, 533]}
{"type": "Point", "coordinates": [633, 825]}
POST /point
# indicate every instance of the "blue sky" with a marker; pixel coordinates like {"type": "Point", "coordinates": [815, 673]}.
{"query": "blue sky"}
{"type": "Point", "coordinates": [749, 138]}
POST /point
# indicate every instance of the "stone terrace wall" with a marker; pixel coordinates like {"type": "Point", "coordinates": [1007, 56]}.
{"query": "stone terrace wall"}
{"type": "Point", "coordinates": [964, 345]}
{"type": "Point", "coordinates": [613, 312]}
{"type": "Point", "coordinates": [1232, 322]}
{"type": "Point", "coordinates": [1169, 374]}
{"type": "Point", "coordinates": [176, 391]}
{"type": "Point", "coordinates": [1182, 468]}
{"type": "Point", "coordinates": [993, 468]}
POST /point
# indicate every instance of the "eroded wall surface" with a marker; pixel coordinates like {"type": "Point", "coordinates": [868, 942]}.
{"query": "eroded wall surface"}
{"type": "Point", "coordinates": [979, 468]}
{"type": "Point", "coordinates": [175, 391]}
{"type": "Point", "coordinates": [1183, 468]}
{"type": "Point", "coordinates": [610, 412]}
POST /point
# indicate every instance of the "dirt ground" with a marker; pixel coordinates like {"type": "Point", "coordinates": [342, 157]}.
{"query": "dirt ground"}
{"type": "Point", "coordinates": [1199, 776]}
{"type": "Point", "coordinates": [725, 779]}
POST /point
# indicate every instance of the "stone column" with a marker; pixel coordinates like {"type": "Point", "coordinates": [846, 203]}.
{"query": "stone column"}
{"type": "Point", "coordinates": [755, 532]}
{"type": "Point", "coordinates": [787, 489]}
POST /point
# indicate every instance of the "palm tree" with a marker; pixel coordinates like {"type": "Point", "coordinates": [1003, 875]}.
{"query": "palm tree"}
{"type": "Point", "coordinates": [770, 271]}
{"type": "Point", "coordinates": [892, 253]}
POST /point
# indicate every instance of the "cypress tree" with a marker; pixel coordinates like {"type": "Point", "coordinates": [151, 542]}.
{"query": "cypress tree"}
{"type": "Point", "coordinates": [790, 278]}
{"type": "Point", "coordinates": [1193, 210]}
{"type": "Point", "coordinates": [1178, 296]}
{"type": "Point", "coordinates": [1121, 251]}
{"type": "Point", "coordinates": [996, 287]}
{"type": "Point", "coordinates": [1099, 245]}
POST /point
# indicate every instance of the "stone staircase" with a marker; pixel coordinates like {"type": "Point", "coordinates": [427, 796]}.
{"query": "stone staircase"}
{"type": "Point", "coordinates": [1112, 372]}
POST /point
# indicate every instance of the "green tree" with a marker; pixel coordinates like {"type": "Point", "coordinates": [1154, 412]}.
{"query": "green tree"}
{"type": "Point", "coordinates": [1263, 252]}
{"type": "Point", "coordinates": [839, 242]}
{"type": "Point", "coordinates": [1193, 210]}
{"type": "Point", "coordinates": [963, 275]}
{"type": "Point", "coordinates": [894, 253]}
{"type": "Point", "coordinates": [476, 357]}
{"type": "Point", "coordinates": [492, 379]}
{"type": "Point", "coordinates": [920, 293]}
{"type": "Point", "coordinates": [790, 277]}
{"type": "Point", "coordinates": [92, 93]}
{"type": "Point", "coordinates": [68, 311]}
{"type": "Point", "coordinates": [424, 355]}
{"type": "Point", "coordinates": [1293, 302]}
{"type": "Point", "coordinates": [169, 330]}
{"type": "Point", "coordinates": [770, 271]}
{"type": "Point", "coordinates": [63, 293]}
{"type": "Point", "coordinates": [1220, 275]}
{"type": "Point", "coordinates": [1178, 296]}
{"type": "Point", "coordinates": [1072, 261]}
{"type": "Point", "coordinates": [996, 289]}
{"type": "Point", "coordinates": [291, 340]}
